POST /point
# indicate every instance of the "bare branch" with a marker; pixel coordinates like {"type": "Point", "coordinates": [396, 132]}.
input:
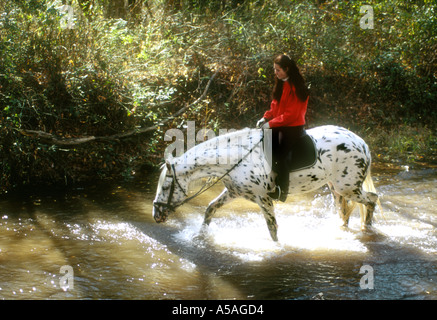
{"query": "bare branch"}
{"type": "Point", "coordinates": [55, 140]}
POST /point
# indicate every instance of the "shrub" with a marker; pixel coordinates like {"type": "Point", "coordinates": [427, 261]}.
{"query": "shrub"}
{"type": "Point", "coordinates": [110, 68]}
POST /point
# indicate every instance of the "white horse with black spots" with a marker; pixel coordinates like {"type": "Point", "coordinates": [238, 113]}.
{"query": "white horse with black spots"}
{"type": "Point", "coordinates": [238, 160]}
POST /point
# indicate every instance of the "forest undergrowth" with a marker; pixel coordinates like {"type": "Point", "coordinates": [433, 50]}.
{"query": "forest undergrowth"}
{"type": "Point", "coordinates": [82, 82]}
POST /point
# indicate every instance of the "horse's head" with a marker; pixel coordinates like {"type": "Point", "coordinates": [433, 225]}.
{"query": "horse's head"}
{"type": "Point", "coordinates": [169, 193]}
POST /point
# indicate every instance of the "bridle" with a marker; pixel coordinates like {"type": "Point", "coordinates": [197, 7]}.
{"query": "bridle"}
{"type": "Point", "coordinates": [175, 183]}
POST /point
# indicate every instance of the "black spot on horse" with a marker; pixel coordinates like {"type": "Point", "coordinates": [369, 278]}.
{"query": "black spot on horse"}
{"type": "Point", "coordinates": [357, 191]}
{"type": "Point", "coordinates": [345, 171]}
{"type": "Point", "coordinates": [321, 152]}
{"type": "Point", "coordinates": [342, 147]}
{"type": "Point", "coordinates": [361, 163]}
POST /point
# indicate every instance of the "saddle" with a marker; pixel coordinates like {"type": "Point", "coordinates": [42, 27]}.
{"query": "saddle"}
{"type": "Point", "coordinates": [303, 155]}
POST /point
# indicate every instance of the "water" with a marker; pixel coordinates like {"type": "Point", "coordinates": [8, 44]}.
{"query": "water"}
{"type": "Point", "coordinates": [113, 249]}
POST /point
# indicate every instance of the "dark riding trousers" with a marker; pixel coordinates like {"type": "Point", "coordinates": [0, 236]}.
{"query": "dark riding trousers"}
{"type": "Point", "coordinates": [283, 140]}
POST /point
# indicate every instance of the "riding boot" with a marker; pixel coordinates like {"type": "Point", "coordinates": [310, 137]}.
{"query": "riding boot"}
{"type": "Point", "coordinates": [282, 181]}
{"type": "Point", "coordinates": [283, 184]}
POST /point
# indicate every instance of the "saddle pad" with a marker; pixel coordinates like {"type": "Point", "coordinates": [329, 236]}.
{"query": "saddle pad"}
{"type": "Point", "coordinates": [304, 154]}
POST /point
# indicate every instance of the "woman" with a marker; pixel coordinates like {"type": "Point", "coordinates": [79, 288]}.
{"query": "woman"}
{"type": "Point", "coordinates": [286, 118]}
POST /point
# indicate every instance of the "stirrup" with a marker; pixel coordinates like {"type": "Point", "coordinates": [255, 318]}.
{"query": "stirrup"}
{"type": "Point", "coordinates": [277, 194]}
{"type": "Point", "coordinates": [283, 196]}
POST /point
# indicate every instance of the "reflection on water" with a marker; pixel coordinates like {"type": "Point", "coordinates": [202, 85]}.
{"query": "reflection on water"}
{"type": "Point", "coordinates": [117, 251]}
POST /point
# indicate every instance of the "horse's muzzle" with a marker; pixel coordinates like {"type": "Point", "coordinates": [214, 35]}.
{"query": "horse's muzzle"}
{"type": "Point", "coordinates": [160, 213]}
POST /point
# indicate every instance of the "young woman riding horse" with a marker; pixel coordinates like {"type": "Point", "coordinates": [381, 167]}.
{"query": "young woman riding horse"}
{"type": "Point", "coordinates": [343, 161]}
{"type": "Point", "coordinates": [286, 118]}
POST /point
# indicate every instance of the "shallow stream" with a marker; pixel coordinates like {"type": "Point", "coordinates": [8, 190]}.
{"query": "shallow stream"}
{"type": "Point", "coordinates": [111, 247]}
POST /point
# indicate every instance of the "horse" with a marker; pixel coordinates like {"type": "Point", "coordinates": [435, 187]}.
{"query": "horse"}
{"type": "Point", "coordinates": [240, 161]}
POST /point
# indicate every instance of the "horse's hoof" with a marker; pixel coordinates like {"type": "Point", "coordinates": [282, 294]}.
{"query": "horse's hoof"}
{"type": "Point", "coordinates": [367, 229]}
{"type": "Point", "coordinates": [274, 237]}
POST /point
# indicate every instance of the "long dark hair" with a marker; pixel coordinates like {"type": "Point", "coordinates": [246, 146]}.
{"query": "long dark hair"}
{"type": "Point", "coordinates": [294, 77]}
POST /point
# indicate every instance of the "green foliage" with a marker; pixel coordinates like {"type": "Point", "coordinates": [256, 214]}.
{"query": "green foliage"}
{"type": "Point", "coordinates": [97, 68]}
{"type": "Point", "coordinates": [405, 144]}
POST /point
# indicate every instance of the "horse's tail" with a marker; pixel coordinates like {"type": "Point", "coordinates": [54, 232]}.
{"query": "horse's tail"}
{"type": "Point", "coordinates": [368, 186]}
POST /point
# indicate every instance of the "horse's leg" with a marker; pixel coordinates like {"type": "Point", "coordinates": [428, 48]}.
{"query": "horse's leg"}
{"type": "Point", "coordinates": [339, 205]}
{"type": "Point", "coordinates": [368, 199]}
{"type": "Point", "coordinates": [367, 215]}
{"type": "Point", "coordinates": [215, 204]}
{"type": "Point", "coordinates": [266, 205]}
{"type": "Point", "coordinates": [343, 207]}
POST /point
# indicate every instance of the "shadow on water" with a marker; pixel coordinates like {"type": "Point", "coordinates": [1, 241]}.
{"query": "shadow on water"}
{"type": "Point", "coordinates": [45, 231]}
{"type": "Point", "coordinates": [117, 251]}
{"type": "Point", "coordinates": [400, 271]}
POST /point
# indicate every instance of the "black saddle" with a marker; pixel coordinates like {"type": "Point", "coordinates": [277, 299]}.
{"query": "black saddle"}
{"type": "Point", "coordinates": [303, 155]}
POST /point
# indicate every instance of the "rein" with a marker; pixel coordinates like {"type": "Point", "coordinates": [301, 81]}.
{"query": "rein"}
{"type": "Point", "coordinates": [203, 189]}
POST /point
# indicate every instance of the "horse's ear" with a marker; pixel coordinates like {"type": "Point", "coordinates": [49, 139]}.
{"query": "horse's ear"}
{"type": "Point", "coordinates": [168, 162]}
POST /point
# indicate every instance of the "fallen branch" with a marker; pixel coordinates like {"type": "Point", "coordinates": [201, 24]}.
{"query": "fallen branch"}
{"type": "Point", "coordinates": [53, 139]}
{"type": "Point", "coordinates": [50, 138]}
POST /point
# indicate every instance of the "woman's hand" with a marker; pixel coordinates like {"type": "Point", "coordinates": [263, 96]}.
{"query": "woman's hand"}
{"type": "Point", "coordinates": [261, 122]}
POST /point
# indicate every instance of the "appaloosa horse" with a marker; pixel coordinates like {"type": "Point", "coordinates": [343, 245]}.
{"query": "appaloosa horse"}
{"type": "Point", "coordinates": [238, 160]}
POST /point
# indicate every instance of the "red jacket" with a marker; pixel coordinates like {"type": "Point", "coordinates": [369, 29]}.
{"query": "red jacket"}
{"type": "Point", "coordinates": [289, 112]}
